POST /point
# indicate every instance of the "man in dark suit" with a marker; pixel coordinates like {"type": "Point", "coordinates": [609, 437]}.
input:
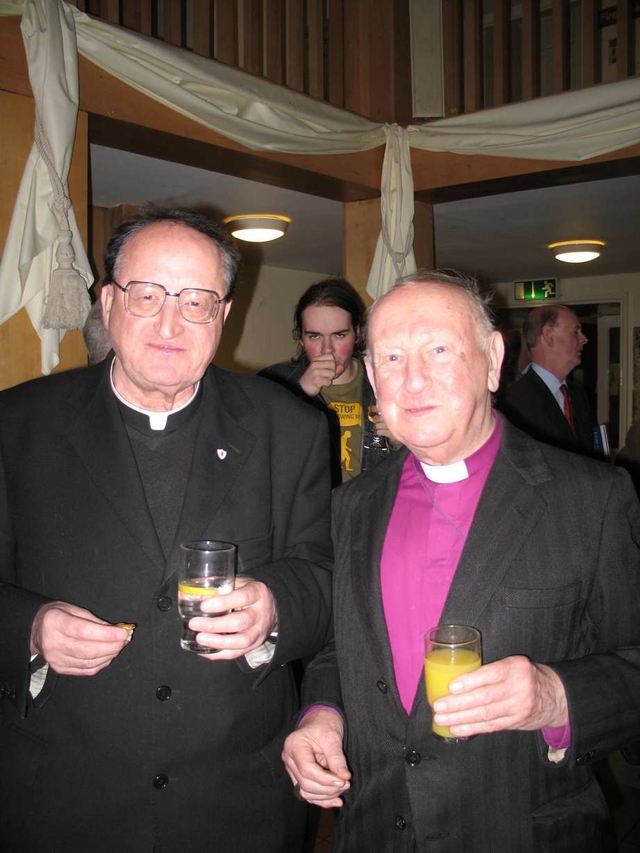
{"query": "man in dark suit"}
{"type": "Point", "coordinates": [142, 746]}
{"type": "Point", "coordinates": [544, 402]}
{"type": "Point", "coordinates": [477, 524]}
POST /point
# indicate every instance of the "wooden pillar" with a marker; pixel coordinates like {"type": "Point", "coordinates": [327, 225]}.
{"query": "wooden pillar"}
{"type": "Point", "coordinates": [19, 342]}
{"type": "Point", "coordinates": [362, 221]}
{"type": "Point", "coordinates": [104, 221]}
{"type": "Point", "coordinates": [423, 236]}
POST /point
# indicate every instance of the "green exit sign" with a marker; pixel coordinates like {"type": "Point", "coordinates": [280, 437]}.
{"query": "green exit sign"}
{"type": "Point", "coordinates": [539, 288]}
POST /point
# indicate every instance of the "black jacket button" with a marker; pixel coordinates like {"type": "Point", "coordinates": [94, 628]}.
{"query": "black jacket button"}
{"type": "Point", "coordinates": [400, 822]}
{"type": "Point", "coordinates": [412, 758]}
{"type": "Point", "coordinates": [579, 760]}
{"type": "Point", "coordinates": [382, 687]}
{"type": "Point", "coordinates": [163, 692]}
{"type": "Point", "coordinates": [164, 603]}
{"type": "Point", "coordinates": [160, 781]}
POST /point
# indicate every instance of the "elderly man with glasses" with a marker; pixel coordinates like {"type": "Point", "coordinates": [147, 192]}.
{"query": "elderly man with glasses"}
{"type": "Point", "coordinates": [117, 741]}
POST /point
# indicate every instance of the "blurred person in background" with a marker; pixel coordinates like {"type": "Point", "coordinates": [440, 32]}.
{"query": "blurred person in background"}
{"type": "Point", "coordinates": [328, 373]}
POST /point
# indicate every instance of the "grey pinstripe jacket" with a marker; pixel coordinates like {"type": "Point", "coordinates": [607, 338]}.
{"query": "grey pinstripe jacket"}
{"type": "Point", "coordinates": [551, 570]}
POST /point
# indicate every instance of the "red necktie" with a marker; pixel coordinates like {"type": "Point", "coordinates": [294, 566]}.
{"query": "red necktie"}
{"type": "Point", "coordinates": [568, 411]}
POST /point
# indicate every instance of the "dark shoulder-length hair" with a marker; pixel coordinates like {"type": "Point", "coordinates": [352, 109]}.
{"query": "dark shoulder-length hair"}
{"type": "Point", "coordinates": [333, 293]}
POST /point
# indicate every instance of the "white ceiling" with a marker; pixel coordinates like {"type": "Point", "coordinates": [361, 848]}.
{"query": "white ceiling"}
{"type": "Point", "coordinates": [314, 238]}
{"type": "Point", "coordinates": [499, 238]}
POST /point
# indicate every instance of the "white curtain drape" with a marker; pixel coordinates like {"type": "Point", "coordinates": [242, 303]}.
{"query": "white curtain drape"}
{"type": "Point", "coordinates": [29, 256]}
{"type": "Point", "coordinates": [263, 116]}
{"type": "Point", "coordinates": [394, 256]}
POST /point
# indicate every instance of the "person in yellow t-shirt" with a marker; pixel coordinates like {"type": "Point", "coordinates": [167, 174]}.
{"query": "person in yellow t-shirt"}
{"type": "Point", "coordinates": [328, 373]}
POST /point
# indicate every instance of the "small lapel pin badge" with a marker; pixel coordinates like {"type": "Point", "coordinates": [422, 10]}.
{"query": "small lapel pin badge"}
{"type": "Point", "coordinates": [222, 454]}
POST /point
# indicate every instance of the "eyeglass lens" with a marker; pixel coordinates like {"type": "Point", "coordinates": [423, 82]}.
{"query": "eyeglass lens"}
{"type": "Point", "coordinates": [145, 299]}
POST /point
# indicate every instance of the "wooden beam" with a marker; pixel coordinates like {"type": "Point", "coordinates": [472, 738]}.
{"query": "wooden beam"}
{"type": "Point", "coordinates": [295, 45]}
{"type": "Point", "coordinates": [315, 51]}
{"type": "Point", "coordinates": [173, 23]}
{"type": "Point", "coordinates": [440, 176]}
{"type": "Point", "coordinates": [202, 42]}
{"type": "Point", "coordinates": [361, 223]}
{"type": "Point", "coordinates": [343, 177]}
{"type": "Point", "coordinates": [624, 30]}
{"type": "Point", "coordinates": [559, 46]}
{"type": "Point", "coordinates": [110, 11]}
{"type": "Point", "coordinates": [501, 52]}
{"type": "Point", "coordinates": [378, 61]}
{"type": "Point", "coordinates": [401, 57]}
{"type": "Point", "coordinates": [452, 56]}
{"type": "Point", "coordinates": [252, 37]}
{"type": "Point", "coordinates": [136, 15]}
{"type": "Point", "coordinates": [355, 56]}
{"type": "Point", "coordinates": [225, 28]}
{"type": "Point", "coordinates": [104, 221]}
{"type": "Point", "coordinates": [335, 53]}
{"type": "Point", "coordinates": [590, 44]}
{"type": "Point", "coordinates": [530, 49]}
{"type": "Point", "coordinates": [473, 68]}
{"type": "Point", "coordinates": [273, 22]}
{"type": "Point", "coordinates": [424, 246]}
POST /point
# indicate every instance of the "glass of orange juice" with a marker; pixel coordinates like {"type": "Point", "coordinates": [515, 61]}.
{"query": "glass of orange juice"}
{"type": "Point", "coordinates": [450, 651]}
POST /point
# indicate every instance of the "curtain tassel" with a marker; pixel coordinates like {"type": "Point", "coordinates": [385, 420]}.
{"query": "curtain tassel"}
{"type": "Point", "coordinates": [68, 302]}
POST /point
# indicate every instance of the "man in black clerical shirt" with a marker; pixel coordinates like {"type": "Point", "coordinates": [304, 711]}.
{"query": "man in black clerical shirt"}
{"type": "Point", "coordinates": [139, 746]}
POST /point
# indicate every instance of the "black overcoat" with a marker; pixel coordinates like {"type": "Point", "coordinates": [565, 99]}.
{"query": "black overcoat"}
{"type": "Point", "coordinates": [162, 750]}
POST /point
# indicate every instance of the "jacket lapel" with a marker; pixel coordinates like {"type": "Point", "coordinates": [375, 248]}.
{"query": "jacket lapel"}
{"type": "Point", "coordinates": [221, 450]}
{"type": "Point", "coordinates": [369, 527]}
{"type": "Point", "coordinates": [98, 436]}
{"type": "Point", "coordinates": [508, 510]}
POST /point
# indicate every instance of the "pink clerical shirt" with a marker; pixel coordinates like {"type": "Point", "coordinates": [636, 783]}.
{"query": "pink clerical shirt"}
{"type": "Point", "coordinates": [424, 541]}
{"type": "Point", "coordinates": [425, 537]}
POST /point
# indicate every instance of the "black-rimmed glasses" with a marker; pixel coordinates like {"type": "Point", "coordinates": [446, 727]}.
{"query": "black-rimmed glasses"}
{"type": "Point", "coordinates": [146, 299]}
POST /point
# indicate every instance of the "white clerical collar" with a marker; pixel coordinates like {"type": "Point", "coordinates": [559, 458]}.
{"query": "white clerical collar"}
{"type": "Point", "coordinates": [453, 473]}
{"type": "Point", "coordinates": [157, 420]}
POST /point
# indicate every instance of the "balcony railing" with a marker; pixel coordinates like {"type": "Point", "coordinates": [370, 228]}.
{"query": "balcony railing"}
{"type": "Point", "coordinates": [502, 51]}
{"type": "Point", "coordinates": [296, 43]}
{"type": "Point", "coordinates": [356, 53]}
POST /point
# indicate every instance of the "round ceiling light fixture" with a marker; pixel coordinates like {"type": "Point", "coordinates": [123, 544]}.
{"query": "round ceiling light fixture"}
{"type": "Point", "coordinates": [577, 251]}
{"type": "Point", "coordinates": [258, 227]}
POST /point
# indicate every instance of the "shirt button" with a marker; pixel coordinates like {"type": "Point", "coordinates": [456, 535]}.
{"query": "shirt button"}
{"type": "Point", "coordinates": [412, 758]}
{"type": "Point", "coordinates": [382, 687]}
{"type": "Point", "coordinates": [164, 603]}
{"type": "Point", "coordinates": [163, 692]}
{"type": "Point", "coordinates": [400, 822]}
{"type": "Point", "coordinates": [160, 781]}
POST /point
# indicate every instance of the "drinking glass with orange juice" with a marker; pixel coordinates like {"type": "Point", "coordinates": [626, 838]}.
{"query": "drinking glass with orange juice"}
{"type": "Point", "coordinates": [450, 651]}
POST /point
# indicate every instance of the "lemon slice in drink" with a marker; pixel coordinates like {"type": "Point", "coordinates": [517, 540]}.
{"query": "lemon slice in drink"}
{"type": "Point", "coordinates": [199, 591]}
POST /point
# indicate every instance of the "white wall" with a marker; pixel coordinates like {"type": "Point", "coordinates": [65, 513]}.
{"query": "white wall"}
{"type": "Point", "coordinates": [258, 330]}
{"type": "Point", "coordinates": [624, 288]}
